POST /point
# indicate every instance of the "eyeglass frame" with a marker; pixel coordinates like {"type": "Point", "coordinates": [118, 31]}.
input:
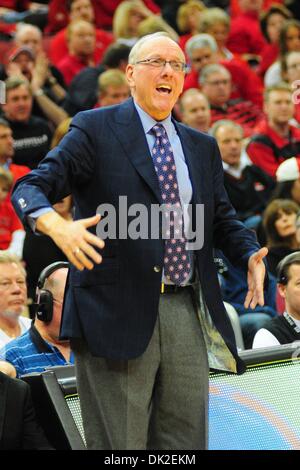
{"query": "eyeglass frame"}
{"type": "Point", "coordinates": [161, 63]}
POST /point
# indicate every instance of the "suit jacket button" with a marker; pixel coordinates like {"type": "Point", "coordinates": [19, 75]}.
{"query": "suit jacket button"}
{"type": "Point", "coordinates": [157, 269]}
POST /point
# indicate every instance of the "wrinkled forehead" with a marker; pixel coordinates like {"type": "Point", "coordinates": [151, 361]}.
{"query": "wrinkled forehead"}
{"type": "Point", "coordinates": [161, 47]}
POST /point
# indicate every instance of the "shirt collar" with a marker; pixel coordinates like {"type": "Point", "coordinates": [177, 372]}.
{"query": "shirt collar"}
{"type": "Point", "coordinates": [148, 122]}
{"type": "Point", "coordinates": [38, 341]}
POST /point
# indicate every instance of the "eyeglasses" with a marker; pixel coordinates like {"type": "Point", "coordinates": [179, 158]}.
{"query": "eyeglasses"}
{"type": "Point", "coordinates": [177, 66]}
{"type": "Point", "coordinates": [219, 82]}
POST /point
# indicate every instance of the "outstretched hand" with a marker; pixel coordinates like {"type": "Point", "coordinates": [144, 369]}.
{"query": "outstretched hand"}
{"type": "Point", "coordinates": [73, 238]}
{"type": "Point", "coordinates": [256, 276]}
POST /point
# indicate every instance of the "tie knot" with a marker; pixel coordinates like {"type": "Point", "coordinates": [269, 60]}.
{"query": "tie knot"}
{"type": "Point", "coordinates": [158, 130]}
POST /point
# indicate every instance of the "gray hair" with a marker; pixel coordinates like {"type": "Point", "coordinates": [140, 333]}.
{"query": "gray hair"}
{"type": "Point", "coordinates": [225, 123]}
{"type": "Point", "coordinates": [134, 53]}
{"type": "Point", "coordinates": [199, 41]}
{"type": "Point", "coordinates": [24, 27]}
{"type": "Point", "coordinates": [9, 258]}
{"type": "Point", "coordinates": [209, 70]}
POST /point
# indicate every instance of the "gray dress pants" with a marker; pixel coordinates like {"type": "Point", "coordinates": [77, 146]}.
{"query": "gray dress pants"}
{"type": "Point", "coordinates": [157, 401]}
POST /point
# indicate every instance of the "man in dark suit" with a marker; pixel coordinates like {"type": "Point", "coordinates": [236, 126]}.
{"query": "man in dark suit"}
{"type": "Point", "coordinates": [139, 314]}
{"type": "Point", "coordinates": [19, 429]}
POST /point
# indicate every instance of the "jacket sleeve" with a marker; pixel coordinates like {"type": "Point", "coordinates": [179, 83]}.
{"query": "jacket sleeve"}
{"type": "Point", "coordinates": [70, 163]}
{"type": "Point", "coordinates": [230, 235]}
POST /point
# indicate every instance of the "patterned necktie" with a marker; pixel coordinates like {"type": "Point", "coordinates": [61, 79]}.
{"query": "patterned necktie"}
{"type": "Point", "coordinates": [176, 261]}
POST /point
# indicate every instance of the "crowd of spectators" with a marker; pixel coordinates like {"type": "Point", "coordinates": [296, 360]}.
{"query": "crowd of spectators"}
{"type": "Point", "coordinates": [242, 86]}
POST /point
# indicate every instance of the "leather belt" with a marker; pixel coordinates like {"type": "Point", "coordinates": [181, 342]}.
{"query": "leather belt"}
{"type": "Point", "coordinates": [172, 288]}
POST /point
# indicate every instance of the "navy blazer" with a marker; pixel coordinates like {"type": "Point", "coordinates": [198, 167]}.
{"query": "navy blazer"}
{"type": "Point", "coordinates": [105, 155]}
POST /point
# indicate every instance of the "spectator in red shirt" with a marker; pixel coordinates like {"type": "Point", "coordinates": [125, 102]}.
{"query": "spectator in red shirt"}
{"type": "Point", "coordinates": [245, 34]}
{"type": "Point", "coordinates": [113, 88]}
{"type": "Point", "coordinates": [7, 152]}
{"type": "Point", "coordinates": [235, 9]}
{"type": "Point", "coordinates": [79, 9]}
{"type": "Point", "coordinates": [11, 230]}
{"type": "Point", "coordinates": [81, 43]}
{"type": "Point", "coordinates": [104, 12]}
{"type": "Point", "coordinates": [271, 23]}
{"type": "Point", "coordinates": [275, 139]}
{"type": "Point", "coordinates": [216, 85]}
{"type": "Point", "coordinates": [202, 50]}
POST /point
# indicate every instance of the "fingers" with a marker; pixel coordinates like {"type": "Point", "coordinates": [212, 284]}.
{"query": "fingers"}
{"type": "Point", "coordinates": [254, 297]}
{"type": "Point", "coordinates": [90, 221]}
{"type": "Point", "coordinates": [94, 240]}
{"type": "Point", "coordinates": [260, 254]}
{"type": "Point", "coordinates": [248, 299]}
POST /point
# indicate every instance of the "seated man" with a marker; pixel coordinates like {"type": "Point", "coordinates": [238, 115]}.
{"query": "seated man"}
{"type": "Point", "coordinates": [13, 298]}
{"type": "Point", "coordinates": [249, 188]}
{"type": "Point", "coordinates": [285, 328]}
{"type": "Point", "coordinates": [40, 346]}
{"type": "Point", "coordinates": [32, 134]}
{"type": "Point", "coordinates": [275, 139]}
{"type": "Point", "coordinates": [113, 88]}
{"type": "Point", "coordinates": [195, 110]}
{"type": "Point", "coordinates": [7, 152]}
{"type": "Point", "coordinates": [83, 10]}
{"type": "Point", "coordinates": [81, 46]}
{"type": "Point", "coordinates": [202, 50]}
{"type": "Point", "coordinates": [216, 84]}
{"type": "Point", "coordinates": [19, 429]}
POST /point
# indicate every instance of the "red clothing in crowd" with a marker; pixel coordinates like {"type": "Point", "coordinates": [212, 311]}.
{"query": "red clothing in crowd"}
{"type": "Point", "coordinates": [235, 7]}
{"type": "Point", "coordinates": [244, 113]}
{"type": "Point", "coordinates": [245, 35]}
{"type": "Point", "coordinates": [59, 48]}
{"type": "Point", "coordinates": [269, 55]}
{"type": "Point", "coordinates": [9, 223]}
{"type": "Point", "coordinates": [70, 66]}
{"type": "Point", "coordinates": [18, 171]}
{"type": "Point", "coordinates": [267, 149]}
{"type": "Point", "coordinates": [245, 83]}
{"type": "Point", "coordinates": [104, 11]}
{"type": "Point", "coordinates": [17, 5]}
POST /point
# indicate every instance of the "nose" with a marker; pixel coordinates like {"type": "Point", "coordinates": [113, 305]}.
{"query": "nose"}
{"type": "Point", "coordinates": [167, 68]}
{"type": "Point", "coordinates": [16, 288]}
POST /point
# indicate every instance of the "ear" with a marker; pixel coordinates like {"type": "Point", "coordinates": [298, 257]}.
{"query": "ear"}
{"type": "Point", "coordinates": [129, 74]}
{"type": "Point", "coordinates": [282, 290]}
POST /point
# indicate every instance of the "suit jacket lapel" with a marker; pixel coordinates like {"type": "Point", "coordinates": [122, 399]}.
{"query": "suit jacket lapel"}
{"type": "Point", "coordinates": [132, 137]}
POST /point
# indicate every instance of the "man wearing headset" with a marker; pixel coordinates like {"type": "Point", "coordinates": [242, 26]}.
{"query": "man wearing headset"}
{"type": "Point", "coordinates": [40, 346]}
{"type": "Point", "coordinates": [285, 328]}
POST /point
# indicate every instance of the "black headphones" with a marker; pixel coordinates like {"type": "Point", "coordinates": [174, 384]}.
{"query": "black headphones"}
{"type": "Point", "coordinates": [44, 298]}
{"type": "Point", "coordinates": [284, 264]}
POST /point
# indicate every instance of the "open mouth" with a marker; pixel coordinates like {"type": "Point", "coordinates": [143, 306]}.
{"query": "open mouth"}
{"type": "Point", "coordinates": [164, 89]}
